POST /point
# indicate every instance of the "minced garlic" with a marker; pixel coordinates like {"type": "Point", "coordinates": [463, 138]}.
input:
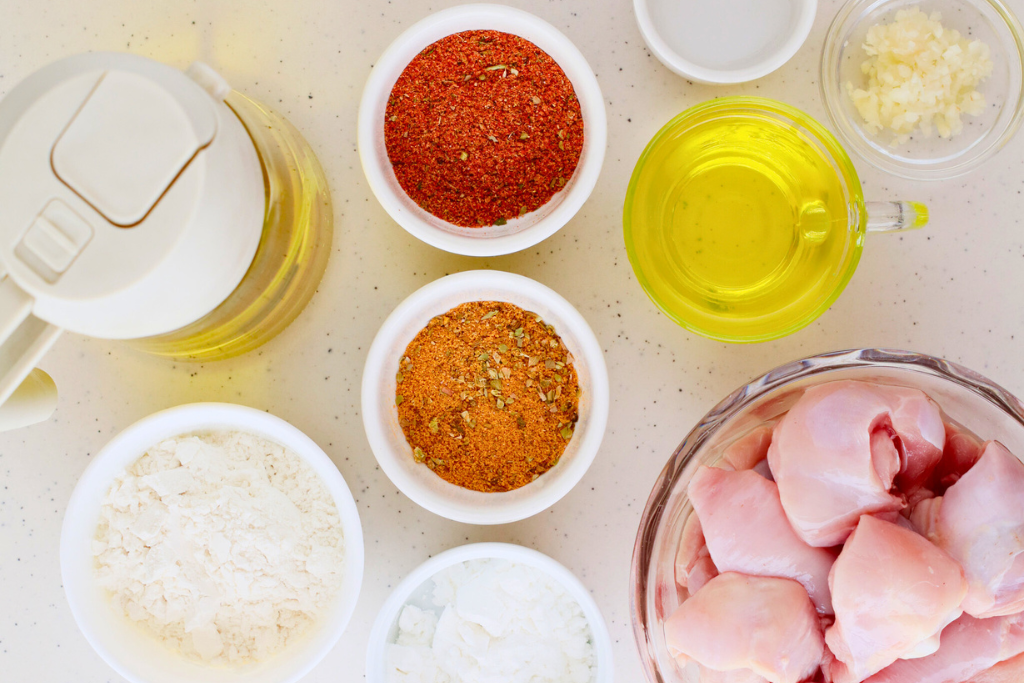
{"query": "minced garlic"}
{"type": "Point", "coordinates": [920, 75]}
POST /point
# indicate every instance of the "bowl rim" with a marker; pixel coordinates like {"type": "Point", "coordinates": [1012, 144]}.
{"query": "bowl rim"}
{"type": "Point", "coordinates": [132, 442]}
{"type": "Point", "coordinates": [799, 30]}
{"type": "Point", "coordinates": [821, 136]}
{"type": "Point", "coordinates": [389, 611]}
{"type": "Point", "coordinates": [464, 285]}
{"type": "Point", "coordinates": [831, 90]}
{"type": "Point", "coordinates": [736, 401]}
{"type": "Point", "coordinates": [378, 87]}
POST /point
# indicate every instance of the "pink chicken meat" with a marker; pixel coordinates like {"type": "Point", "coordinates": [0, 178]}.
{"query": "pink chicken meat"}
{"type": "Point", "coordinates": [980, 522]}
{"type": "Point", "coordinates": [739, 623]}
{"type": "Point", "coordinates": [893, 593]}
{"type": "Point", "coordinates": [920, 435]}
{"type": "Point", "coordinates": [747, 531]}
{"type": "Point", "coordinates": [839, 450]}
{"type": "Point", "coordinates": [967, 648]}
{"type": "Point", "coordinates": [960, 454]}
{"type": "Point", "coordinates": [694, 566]}
{"type": "Point", "coordinates": [749, 451]}
{"type": "Point", "coordinates": [1010, 671]}
{"type": "Point", "coordinates": [736, 676]}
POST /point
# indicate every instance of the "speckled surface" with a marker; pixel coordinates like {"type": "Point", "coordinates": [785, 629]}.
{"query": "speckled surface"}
{"type": "Point", "coordinates": [954, 290]}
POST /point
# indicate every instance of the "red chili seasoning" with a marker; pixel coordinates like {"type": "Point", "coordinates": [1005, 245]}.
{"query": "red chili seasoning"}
{"type": "Point", "coordinates": [483, 127]}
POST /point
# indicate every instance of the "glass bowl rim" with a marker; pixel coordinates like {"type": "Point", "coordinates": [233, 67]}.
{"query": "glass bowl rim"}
{"type": "Point", "coordinates": [725, 409]}
{"type": "Point", "coordinates": [848, 131]}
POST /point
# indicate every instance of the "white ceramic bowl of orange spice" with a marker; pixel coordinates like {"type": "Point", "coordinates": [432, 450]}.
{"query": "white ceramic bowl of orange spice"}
{"type": "Point", "coordinates": [456, 142]}
{"type": "Point", "coordinates": [550, 349]}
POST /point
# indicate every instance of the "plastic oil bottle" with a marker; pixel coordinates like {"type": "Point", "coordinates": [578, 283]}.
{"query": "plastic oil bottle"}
{"type": "Point", "coordinates": [146, 204]}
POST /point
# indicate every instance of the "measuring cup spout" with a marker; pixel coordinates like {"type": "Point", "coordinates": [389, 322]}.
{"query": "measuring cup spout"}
{"type": "Point", "coordinates": [895, 216]}
{"type": "Point", "coordinates": [27, 395]}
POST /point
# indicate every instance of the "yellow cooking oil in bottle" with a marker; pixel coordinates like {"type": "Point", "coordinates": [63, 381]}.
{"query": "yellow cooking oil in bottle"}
{"type": "Point", "coordinates": [290, 259]}
{"type": "Point", "coordinates": [152, 205]}
{"type": "Point", "coordinates": [740, 226]}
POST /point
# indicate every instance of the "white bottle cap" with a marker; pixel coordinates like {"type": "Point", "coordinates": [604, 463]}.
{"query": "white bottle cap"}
{"type": "Point", "coordinates": [133, 198]}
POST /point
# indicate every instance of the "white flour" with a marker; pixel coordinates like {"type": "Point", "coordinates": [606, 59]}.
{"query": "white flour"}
{"type": "Point", "coordinates": [224, 545]}
{"type": "Point", "coordinates": [501, 623]}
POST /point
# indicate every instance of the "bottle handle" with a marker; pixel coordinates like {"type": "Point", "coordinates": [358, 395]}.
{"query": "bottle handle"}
{"type": "Point", "coordinates": [27, 395]}
{"type": "Point", "coordinates": [34, 400]}
{"type": "Point", "coordinates": [895, 216]}
{"type": "Point", "coordinates": [209, 80]}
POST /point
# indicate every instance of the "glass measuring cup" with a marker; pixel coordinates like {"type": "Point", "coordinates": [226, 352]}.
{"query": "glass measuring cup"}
{"type": "Point", "coordinates": [744, 219]}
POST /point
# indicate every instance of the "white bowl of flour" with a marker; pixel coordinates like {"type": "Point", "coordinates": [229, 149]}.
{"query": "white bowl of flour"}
{"type": "Point", "coordinates": [490, 611]}
{"type": "Point", "coordinates": [212, 543]}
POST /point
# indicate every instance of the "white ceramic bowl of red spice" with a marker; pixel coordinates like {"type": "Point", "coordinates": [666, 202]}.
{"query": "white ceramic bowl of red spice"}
{"type": "Point", "coordinates": [380, 415]}
{"type": "Point", "coordinates": [517, 233]}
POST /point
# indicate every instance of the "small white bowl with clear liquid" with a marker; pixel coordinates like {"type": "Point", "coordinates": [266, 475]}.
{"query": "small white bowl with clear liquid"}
{"type": "Point", "coordinates": [724, 41]}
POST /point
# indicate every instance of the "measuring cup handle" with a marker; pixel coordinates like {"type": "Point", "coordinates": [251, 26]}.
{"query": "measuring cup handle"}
{"type": "Point", "coordinates": [895, 216]}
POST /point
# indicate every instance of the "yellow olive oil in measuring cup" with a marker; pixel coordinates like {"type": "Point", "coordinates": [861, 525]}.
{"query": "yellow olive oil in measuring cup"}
{"type": "Point", "coordinates": [744, 219]}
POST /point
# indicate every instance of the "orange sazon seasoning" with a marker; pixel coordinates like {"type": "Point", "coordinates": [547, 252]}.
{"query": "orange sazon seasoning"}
{"type": "Point", "coordinates": [482, 127]}
{"type": "Point", "coordinates": [487, 396]}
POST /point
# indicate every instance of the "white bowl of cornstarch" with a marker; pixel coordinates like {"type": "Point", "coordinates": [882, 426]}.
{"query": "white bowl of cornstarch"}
{"type": "Point", "coordinates": [494, 612]}
{"type": "Point", "coordinates": [212, 543]}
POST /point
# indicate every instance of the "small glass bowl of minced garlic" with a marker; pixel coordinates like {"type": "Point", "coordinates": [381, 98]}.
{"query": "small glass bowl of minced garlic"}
{"type": "Point", "coordinates": [886, 74]}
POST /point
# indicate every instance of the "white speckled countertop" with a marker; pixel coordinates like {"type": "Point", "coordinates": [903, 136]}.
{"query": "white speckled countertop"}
{"type": "Point", "coordinates": [955, 290]}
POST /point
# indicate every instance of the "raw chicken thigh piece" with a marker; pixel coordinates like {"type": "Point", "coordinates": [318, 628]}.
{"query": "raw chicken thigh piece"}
{"type": "Point", "coordinates": [828, 663]}
{"type": "Point", "coordinates": [834, 454]}
{"type": "Point", "coordinates": [766, 625]}
{"type": "Point", "coordinates": [694, 566]}
{"type": "Point", "coordinates": [917, 422]}
{"type": "Point", "coordinates": [893, 593]}
{"type": "Point", "coordinates": [968, 647]}
{"type": "Point", "coordinates": [749, 450]}
{"type": "Point", "coordinates": [981, 524]}
{"type": "Point", "coordinates": [735, 676]}
{"type": "Point", "coordinates": [925, 518]}
{"type": "Point", "coordinates": [960, 454]}
{"type": "Point", "coordinates": [701, 573]}
{"type": "Point", "coordinates": [691, 548]}
{"type": "Point", "coordinates": [747, 531]}
{"type": "Point", "coordinates": [914, 497]}
{"type": "Point", "coordinates": [1010, 671]}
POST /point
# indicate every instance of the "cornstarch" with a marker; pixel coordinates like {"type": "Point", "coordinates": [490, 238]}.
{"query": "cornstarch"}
{"type": "Point", "coordinates": [497, 621]}
{"type": "Point", "coordinates": [224, 545]}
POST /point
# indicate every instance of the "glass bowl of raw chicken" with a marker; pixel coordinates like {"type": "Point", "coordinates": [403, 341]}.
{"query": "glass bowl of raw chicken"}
{"type": "Point", "coordinates": [855, 516]}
